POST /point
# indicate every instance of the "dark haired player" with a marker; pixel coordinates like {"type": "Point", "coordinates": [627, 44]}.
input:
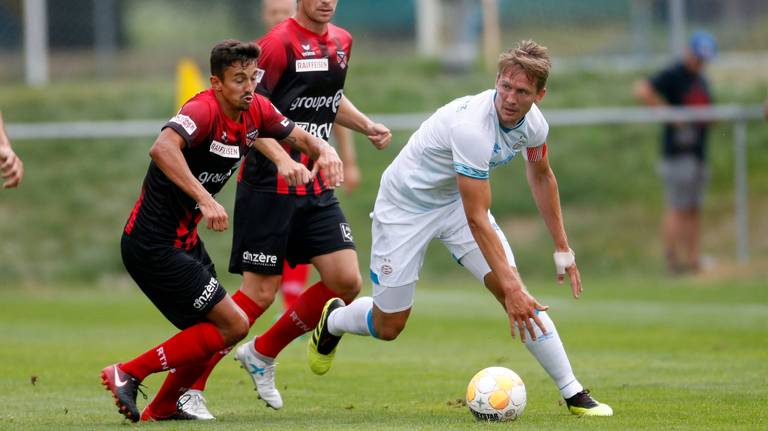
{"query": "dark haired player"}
{"type": "Point", "coordinates": [304, 64]}
{"type": "Point", "coordinates": [194, 155]}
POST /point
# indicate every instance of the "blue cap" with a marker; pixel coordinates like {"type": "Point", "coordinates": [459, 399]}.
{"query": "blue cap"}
{"type": "Point", "coordinates": [703, 45]}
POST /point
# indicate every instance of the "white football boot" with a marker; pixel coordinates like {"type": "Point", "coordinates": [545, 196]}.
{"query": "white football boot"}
{"type": "Point", "coordinates": [263, 375]}
{"type": "Point", "coordinates": [193, 403]}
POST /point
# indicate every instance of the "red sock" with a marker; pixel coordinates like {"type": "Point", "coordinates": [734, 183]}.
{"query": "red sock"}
{"type": "Point", "coordinates": [293, 283]}
{"type": "Point", "coordinates": [253, 311]}
{"type": "Point", "coordinates": [175, 384]}
{"type": "Point", "coordinates": [301, 318]}
{"type": "Point", "coordinates": [194, 344]}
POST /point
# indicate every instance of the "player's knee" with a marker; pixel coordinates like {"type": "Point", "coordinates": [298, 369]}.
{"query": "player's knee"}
{"type": "Point", "coordinates": [242, 327]}
{"type": "Point", "coordinates": [390, 330]}
{"type": "Point", "coordinates": [264, 295]}
{"type": "Point", "coordinates": [389, 333]}
{"type": "Point", "coordinates": [347, 286]}
{"type": "Point", "coordinates": [237, 329]}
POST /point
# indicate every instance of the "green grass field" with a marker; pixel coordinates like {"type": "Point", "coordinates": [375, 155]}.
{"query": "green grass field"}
{"type": "Point", "coordinates": [682, 354]}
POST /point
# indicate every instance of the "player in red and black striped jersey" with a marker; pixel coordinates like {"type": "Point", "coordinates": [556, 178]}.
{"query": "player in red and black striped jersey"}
{"type": "Point", "coordinates": [304, 62]}
{"type": "Point", "coordinates": [213, 145]}
{"type": "Point", "coordinates": [194, 155]}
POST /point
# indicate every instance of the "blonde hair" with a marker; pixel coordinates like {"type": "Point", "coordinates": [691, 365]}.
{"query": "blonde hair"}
{"type": "Point", "coordinates": [529, 56]}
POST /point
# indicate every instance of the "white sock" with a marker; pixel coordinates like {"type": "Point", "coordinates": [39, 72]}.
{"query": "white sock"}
{"type": "Point", "coordinates": [549, 351]}
{"type": "Point", "coordinates": [266, 359]}
{"type": "Point", "coordinates": [353, 319]}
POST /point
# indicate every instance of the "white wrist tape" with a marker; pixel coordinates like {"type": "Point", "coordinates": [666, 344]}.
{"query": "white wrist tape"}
{"type": "Point", "coordinates": [563, 260]}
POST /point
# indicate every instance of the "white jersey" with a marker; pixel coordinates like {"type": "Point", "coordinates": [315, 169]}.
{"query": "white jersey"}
{"type": "Point", "coordinates": [462, 137]}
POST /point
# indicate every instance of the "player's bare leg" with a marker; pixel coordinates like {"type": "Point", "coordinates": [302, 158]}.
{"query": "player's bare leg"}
{"type": "Point", "coordinates": [550, 353]}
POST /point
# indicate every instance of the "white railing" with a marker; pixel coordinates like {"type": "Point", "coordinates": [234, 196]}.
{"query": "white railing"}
{"type": "Point", "coordinates": [736, 114]}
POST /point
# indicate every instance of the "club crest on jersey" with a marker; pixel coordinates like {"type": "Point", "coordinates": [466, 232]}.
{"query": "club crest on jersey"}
{"type": "Point", "coordinates": [341, 58]}
{"type": "Point", "coordinates": [259, 75]}
{"type": "Point", "coordinates": [224, 136]}
{"type": "Point", "coordinates": [519, 144]}
{"type": "Point", "coordinates": [228, 151]}
{"type": "Point", "coordinates": [308, 51]}
{"type": "Point", "coordinates": [312, 65]}
{"type": "Point", "coordinates": [251, 136]}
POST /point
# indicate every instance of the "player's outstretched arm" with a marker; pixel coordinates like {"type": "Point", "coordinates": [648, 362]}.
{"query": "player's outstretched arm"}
{"type": "Point", "coordinates": [166, 152]}
{"type": "Point", "coordinates": [543, 186]}
{"type": "Point", "coordinates": [349, 116]}
{"type": "Point", "coordinates": [325, 157]}
{"type": "Point", "coordinates": [11, 166]}
{"type": "Point", "coordinates": [294, 172]}
{"type": "Point", "coordinates": [520, 305]}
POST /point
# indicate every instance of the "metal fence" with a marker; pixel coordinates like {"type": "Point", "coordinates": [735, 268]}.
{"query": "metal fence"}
{"type": "Point", "coordinates": [737, 115]}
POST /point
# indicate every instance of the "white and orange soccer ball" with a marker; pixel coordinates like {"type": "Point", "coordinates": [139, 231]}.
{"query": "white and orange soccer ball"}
{"type": "Point", "coordinates": [496, 394]}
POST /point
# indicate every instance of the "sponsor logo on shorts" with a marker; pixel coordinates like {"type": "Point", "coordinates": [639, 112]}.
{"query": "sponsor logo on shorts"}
{"type": "Point", "coordinates": [318, 102]}
{"type": "Point", "coordinates": [207, 294]}
{"type": "Point", "coordinates": [228, 151]}
{"type": "Point", "coordinates": [386, 269]}
{"type": "Point", "coordinates": [346, 232]}
{"type": "Point", "coordinates": [260, 259]}
{"type": "Point", "coordinates": [185, 122]}
{"type": "Point", "coordinates": [312, 65]}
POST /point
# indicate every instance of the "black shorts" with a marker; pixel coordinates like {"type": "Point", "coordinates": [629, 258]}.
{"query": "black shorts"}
{"type": "Point", "coordinates": [270, 228]}
{"type": "Point", "coordinates": [181, 283]}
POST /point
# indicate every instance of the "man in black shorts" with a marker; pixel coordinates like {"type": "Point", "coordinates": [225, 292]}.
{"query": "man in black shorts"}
{"type": "Point", "coordinates": [193, 157]}
{"type": "Point", "coordinates": [303, 68]}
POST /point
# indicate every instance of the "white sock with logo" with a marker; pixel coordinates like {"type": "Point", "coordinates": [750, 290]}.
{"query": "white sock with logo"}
{"type": "Point", "coordinates": [549, 351]}
{"type": "Point", "coordinates": [352, 319]}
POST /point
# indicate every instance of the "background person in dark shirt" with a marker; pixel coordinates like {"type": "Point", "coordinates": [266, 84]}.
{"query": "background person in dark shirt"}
{"type": "Point", "coordinates": [684, 150]}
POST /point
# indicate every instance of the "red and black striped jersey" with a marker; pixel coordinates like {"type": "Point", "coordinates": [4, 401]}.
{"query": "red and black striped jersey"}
{"type": "Point", "coordinates": [215, 145]}
{"type": "Point", "coordinates": [302, 73]}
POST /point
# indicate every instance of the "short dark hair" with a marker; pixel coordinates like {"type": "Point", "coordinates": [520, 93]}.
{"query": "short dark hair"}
{"type": "Point", "coordinates": [230, 51]}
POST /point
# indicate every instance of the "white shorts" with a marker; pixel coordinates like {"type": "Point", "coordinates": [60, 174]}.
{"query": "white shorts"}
{"type": "Point", "coordinates": [400, 240]}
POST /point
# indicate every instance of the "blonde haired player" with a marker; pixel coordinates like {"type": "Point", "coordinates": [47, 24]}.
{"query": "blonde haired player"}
{"type": "Point", "coordinates": [438, 187]}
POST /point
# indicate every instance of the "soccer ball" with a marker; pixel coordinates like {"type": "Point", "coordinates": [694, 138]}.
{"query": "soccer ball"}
{"type": "Point", "coordinates": [496, 394]}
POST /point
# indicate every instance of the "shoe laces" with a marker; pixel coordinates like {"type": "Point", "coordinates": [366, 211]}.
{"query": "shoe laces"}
{"type": "Point", "coordinates": [194, 399]}
{"type": "Point", "coordinates": [582, 399]}
{"type": "Point", "coordinates": [137, 389]}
